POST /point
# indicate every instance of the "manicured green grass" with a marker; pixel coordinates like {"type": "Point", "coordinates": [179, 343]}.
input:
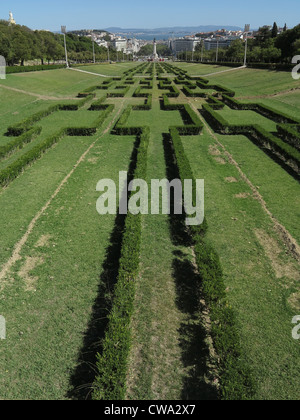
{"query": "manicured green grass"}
{"type": "Point", "coordinates": [48, 302]}
{"type": "Point", "coordinates": [198, 69]}
{"type": "Point", "coordinates": [254, 82]}
{"type": "Point", "coordinates": [107, 69]}
{"type": "Point", "coordinates": [246, 117]}
{"type": "Point", "coordinates": [53, 293]}
{"type": "Point", "coordinates": [258, 294]}
{"type": "Point", "coordinates": [280, 191]}
{"type": "Point", "coordinates": [55, 83]}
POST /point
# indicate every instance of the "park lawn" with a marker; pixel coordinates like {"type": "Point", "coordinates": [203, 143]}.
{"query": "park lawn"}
{"type": "Point", "coordinates": [107, 69]}
{"type": "Point", "coordinates": [61, 83]}
{"type": "Point", "coordinates": [280, 190]}
{"type": "Point", "coordinates": [239, 117]}
{"type": "Point", "coordinates": [19, 108]}
{"type": "Point", "coordinates": [254, 82]}
{"type": "Point", "coordinates": [50, 126]}
{"type": "Point", "coordinates": [259, 275]}
{"type": "Point", "coordinates": [49, 295]}
{"type": "Point", "coordinates": [198, 69]}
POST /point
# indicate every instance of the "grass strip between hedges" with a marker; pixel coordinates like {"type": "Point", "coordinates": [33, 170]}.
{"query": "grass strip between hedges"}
{"type": "Point", "coordinates": [236, 380]}
{"type": "Point", "coordinates": [112, 364]}
{"type": "Point", "coordinates": [12, 171]}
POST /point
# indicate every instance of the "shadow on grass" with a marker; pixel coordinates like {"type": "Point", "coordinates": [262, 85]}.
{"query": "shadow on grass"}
{"type": "Point", "coordinates": [82, 378]}
{"type": "Point", "coordinates": [195, 354]}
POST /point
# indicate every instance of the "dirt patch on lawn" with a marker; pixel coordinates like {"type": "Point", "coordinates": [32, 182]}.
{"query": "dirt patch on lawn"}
{"type": "Point", "coordinates": [220, 160]}
{"type": "Point", "coordinates": [231, 179]}
{"type": "Point", "coordinates": [294, 301]}
{"type": "Point", "coordinates": [274, 252]}
{"type": "Point", "coordinates": [25, 273]}
{"type": "Point", "coordinates": [242, 195]}
{"type": "Point", "coordinates": [43, 241]}
{"type": "Point", "coordinates": [213, 150]}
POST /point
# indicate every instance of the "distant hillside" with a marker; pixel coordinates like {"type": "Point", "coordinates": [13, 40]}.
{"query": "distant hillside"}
{"type": "Point", "coordinates": [188, 29]}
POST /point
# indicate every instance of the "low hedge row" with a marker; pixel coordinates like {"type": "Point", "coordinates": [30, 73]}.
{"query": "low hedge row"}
{"type": "Point", "coordinates": [112, 363]}
{"type": "Point", "coordinates": [19, 142]}
{"type": "Point", "coordinates": [119, 94]}
{"type": "Point", "coordinates": [218, 88]}
{"type": "Point", "coordinates": [214, 103]}
{"type": "Point", "coordinates": [264, 110]}
{"type": "Point", "coordinates": [98, 105]}
{"type": "Point", "coordinates": [12, 171]}
{"type": "Point", "coordinates": [290, 134]}
{"type": "Point", "coordinates": [139, 94]}
{"type": "Point", "coordinates": [25, 69]}
{"type": "Point", "coordinates": [188, 91]}
{"type": "Point", "coordinates": [147, 106]}
{"type": "Point", "coordinates": [192, 123]}
{"type": "Point", "coordinates": [255, 132]}
{"type": "Point", "coordinates": [120, 127]}
{"type": "Point", "coordinates": [26, 124]}
{"type": "Point", "coordinates": [236, 382]}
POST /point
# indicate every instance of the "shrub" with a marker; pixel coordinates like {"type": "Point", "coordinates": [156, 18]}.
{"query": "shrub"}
{"type": "Point", "coordinates": [112, 363]}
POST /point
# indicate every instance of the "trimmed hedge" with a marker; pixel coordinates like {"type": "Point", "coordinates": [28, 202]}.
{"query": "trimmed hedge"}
{"type": "Point", "coordinates": [12, 171]}
{"type": "Point", "coordinates": [236, 381]}
{"type": "Point", "coordinates": [192, 123]}
{"type": "Point", "coordinates": [290, 134]}
{"type": "Point", "coordinates": [261, 137]}
{"type": "Point", "coordinates": [23, 126]}
{"type": "Point", "coordinates": [112, 363]}
{"type": "Point", "coordinates": [19, 142]}
{"type": "Point", "coordinates": [25, 69]}
{"type": "Point", "coordinates": [264, 110]}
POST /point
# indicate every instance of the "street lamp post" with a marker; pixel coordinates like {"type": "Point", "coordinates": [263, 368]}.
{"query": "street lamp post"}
{"type": "Point", "coordinates": [247, 29]}
{"type": "Point", "coordinates": [94, 56]}
{"type": "Point", "coordinates": [202, 50]}
{"type": "Point", "coordinates": [217, 53]}
{"type": "Point", "coordinates": [64, 31]}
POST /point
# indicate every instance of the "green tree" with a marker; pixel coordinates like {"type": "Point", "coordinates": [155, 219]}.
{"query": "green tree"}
{"type": "Point", "coordinates": [274, 30]}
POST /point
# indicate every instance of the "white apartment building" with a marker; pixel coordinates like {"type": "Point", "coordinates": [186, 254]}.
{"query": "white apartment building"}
{"type": "Point", "coordinates": [120, 44]}
{"type": "Point", "coordinates": [185, 44]}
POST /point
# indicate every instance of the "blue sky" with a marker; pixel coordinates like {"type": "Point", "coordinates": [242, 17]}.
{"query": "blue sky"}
{"type": "Point", "coordinates": [79, 14]}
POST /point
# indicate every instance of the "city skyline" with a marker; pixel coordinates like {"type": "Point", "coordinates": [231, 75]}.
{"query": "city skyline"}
{"type": "Point", "coordinates": [131, 14]}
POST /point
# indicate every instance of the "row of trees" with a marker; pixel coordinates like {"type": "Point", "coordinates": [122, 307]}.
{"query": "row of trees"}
{"type": "Point", "coordinates": [267, 47]}
{"type": "Point", "coordinates": [19, 44]}
{"type": "Point", "coordinates": [162, 50]}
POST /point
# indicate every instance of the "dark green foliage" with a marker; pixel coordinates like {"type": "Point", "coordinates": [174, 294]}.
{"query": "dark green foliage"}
{"type": "Point", "coordinates": [18, 143]}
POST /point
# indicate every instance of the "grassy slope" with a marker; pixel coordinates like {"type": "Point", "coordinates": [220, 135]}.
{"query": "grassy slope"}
{"type": "Point", "coordinates": [50, 293]}
{"type": "Point", "coordinates": [48, 296]}
{"type": "Point", "coordinates": [258, 295]}
{"type": "Point", "coordinates": [46, 324]}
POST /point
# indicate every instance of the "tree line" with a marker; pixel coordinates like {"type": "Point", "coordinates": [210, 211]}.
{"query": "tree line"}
{"type": "Point", "coordinates": [19, 44]}
{"type": "Point", "coordinates": [268, 46]}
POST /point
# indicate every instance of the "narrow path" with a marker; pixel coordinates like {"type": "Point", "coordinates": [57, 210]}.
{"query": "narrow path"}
{"type": "Point", "coordinates": [219, 72]}
{"type": "Point", "coordinates": [273, 95]}
{"type": "Point", "coordinates": [89, 72]}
